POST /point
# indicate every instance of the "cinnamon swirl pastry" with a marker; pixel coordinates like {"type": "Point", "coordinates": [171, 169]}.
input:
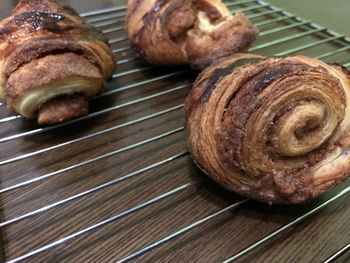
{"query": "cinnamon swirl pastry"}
{"type": "Point", "coordinates": [273, 129]}
{"type": "Point", "coordinates": [51, 61]}
{"type": "Point", "coordinates": [195, 32]}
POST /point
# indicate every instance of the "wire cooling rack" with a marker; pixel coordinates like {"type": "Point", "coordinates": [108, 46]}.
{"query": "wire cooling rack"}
{"type": "Point", "coordinates": [119, 185]}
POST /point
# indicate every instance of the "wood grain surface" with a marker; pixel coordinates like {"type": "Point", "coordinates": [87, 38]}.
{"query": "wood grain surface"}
{"type": "Point", "coordinates": [64, 175]}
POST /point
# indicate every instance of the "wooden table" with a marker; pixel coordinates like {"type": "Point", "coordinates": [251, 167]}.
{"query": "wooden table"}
{"type": "Point", "coordinates": [189, 196]}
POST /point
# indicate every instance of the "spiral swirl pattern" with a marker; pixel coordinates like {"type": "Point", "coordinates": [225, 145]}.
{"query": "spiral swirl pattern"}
{"type": "Point", "coordinates": [272, 129]}
{"type": "Point", "coordinates": [195, 32]}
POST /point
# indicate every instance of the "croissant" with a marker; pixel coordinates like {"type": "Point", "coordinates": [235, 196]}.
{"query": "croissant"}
{"type": "Point", "coordinates": [195, 32]}
{"type": "Point", "coordinates": [51, 61]}
{"type": "Point", "coordinates": [273, 129]}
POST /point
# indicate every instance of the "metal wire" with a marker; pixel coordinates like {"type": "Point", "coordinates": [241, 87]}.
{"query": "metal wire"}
{"type": "Point", "coordinates": [228, 4]}
{"type": "Point", "coordinates": [117, 40]}
{"type": "Point", "coordinates": [102, 24]}
{"type": "Point", "coordinates": [92, 160]}
{"type": "Point", "coordinates": [116, 18]}
{"type": "Point", "coordinates": [121, 15]}
{"type": "Point", "coordinates": [49, 128]}
{"type": "Point", "coordinates": [111, 30]}
{"type": "Point", "coordinates": [109, 23]}
{"type": "Point", "coordinates": [181, 232]}
{"type": "Point", "coordinates": [287, 226]}
{"type": "Point", "coordinates": [101, 18]}
{"type": "Point", "coordinates": [144, 82]}
{"type": "Point", "coordinates": [126, 48]}
{"type": "Point", "coordinates": [117, 50]}
{"type": "Point", "coordinates": [279, 29]}
{"type": "Point", "coordinates": [101, 112]}
{"type": "Point", "coordinates": [285, 39]}
{"type": "Point", "coordinates": [264, 13]}
{"type": "Point", "coordinates": [332, 53]}
{"type": "Point", "coordinates": [313, 44]}
{"type": "Point", "coordinates": [124, 88]}
{"type": "Point", "coordinates": [104, 222]}
{"type": "Point", "coordinates": [338, 254]}
{"type": "Point", "coordinates": [267, 44]}
{"type": "Point", "coordinates": [64, 144]}
{"type": "Point", "coordinates": [90, 136]}
{"type": "Point", "coordinates": [92, 190]}
{"type": "Point", "coordinates": [146, 117]}
{"type": "Point", "coordinates": [132, 71]}
{"type": "Point", "coordinates": [11, 118]}
{"type": "Point", "coordinates": [69, 143]}
{"type": "Point", "coordinates": [127, 60]}
{"type": "Point", "coordinates": [103, 11]}
{"type": "Point", "coordinates": [263, 23]}
{"type": "Point", "coordinates": [274, 20]}
{"type": "Point", "coordinates": [249, 8]}
{"type": "Point", "coordinates": [123, 8]}
{"type": "Point", "coordinates": [264, 45]}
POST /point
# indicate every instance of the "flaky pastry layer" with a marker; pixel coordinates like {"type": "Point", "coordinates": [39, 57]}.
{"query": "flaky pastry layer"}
{"type": "Point", "coordinates": [195, 32]}
{"type": "Point", "coordinates": [47, 50]}
{"type": "Point", "coordinates": [273, 129]}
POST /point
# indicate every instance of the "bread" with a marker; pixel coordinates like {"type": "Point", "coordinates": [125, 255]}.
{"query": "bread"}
{"type": "Point", "coordinates": [195, 32]}
{"type": "Point", "coordinates": [273, 129]}
{"type": "Point", "coordinates": [51, 61]}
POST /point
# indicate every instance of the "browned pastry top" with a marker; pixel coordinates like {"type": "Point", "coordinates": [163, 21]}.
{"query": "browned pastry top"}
{"type": "Point", "coordinates": [195, 32]}
{"type": "Point", "coordinates": [63, 108]}
{"type": "Point", "coordinates": [36, 73]}
{"type": "Point", "coordinates": [40, 27]}
{"type": "Point", "coordinates": [49, 17]}
{"type": "Point", "coordinates": [65, 88]}
{"type": "Point", "coordinates": [51, 61]}
{"type": "Point", "coordinates": [275, 129]}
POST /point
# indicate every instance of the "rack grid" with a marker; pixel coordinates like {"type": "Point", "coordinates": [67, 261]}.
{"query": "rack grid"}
{"type": "Point", "coordinates": [119, 184]}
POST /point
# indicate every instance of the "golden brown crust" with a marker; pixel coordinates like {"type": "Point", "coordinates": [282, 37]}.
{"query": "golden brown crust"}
{"type": "Point", "coordinates": [64, 108]}
{"type": "Point", "coordinates": [41, 27]}
{"type": "Point", "coordinates": [37, 48]}
{"type": "Point", "coordinates": [181, 21]}
{"type": "Point", "coordinates": [50, 6]}
{"type": "Point", "coordinates": [195, 32]}
{"type": "Point", "coordinates": [30, 87]}
{"type": "Point", "coordinates": [54, 41]}
{"type": "Point", "coordinates": [233, 36]}
{"type": "Point", "coordinates": [36, 74]}
{"type": "Point", "coordinates": [148, 34]}
{"type": "Point", "coordinates": [271, 129]}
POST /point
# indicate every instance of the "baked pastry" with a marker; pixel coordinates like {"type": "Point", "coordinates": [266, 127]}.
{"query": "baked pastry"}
{"type": "Point", "coordinates": [51, 61]}
{"type": "Point", "coordinates": [195, 32]}
{"type": "Point", "coordinates": [273, 129]}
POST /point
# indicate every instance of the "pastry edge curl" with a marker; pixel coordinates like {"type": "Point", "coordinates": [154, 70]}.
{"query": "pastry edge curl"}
{"type": "Point", "coordinates": [323, 175]}
{"type": "Point", "coordinates": [203, 43]}
{"type": "Point", "coordinates": [43, 29]}
{"type": "Point", "coordinates": [32, 86]}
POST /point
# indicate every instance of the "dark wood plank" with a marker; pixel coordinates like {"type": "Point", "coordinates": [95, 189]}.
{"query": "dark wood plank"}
{"type": "Point", "coordinates": [311, 241]}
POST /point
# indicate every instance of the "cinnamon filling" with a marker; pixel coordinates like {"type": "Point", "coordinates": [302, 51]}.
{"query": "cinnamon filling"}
{"type": "Point", "coordinates": [63, 108]}
{"type": "Point", "coordinates": [200, 15]}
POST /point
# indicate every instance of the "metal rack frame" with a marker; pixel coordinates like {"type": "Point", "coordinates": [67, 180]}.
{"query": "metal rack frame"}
{"type": "Point", "coordinates": [106, 18]}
